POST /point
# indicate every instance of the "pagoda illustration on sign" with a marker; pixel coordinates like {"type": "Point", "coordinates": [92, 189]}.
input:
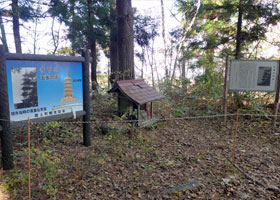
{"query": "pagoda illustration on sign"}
{"type": "Point", "coordinates": [68, 91]}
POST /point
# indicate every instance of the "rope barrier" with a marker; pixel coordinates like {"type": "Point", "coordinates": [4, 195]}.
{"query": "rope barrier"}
{"type": "Point", "coordinates": [139, 121]}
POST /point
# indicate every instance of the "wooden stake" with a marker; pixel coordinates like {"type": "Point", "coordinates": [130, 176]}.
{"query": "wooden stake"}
{"type": "Point", "coordinates": [235, 137]}
{"type": "Point", "coordinates": [225, 90]}
{"type": "Point", "coordinates": [29, 167]}
{"type": "Point", "coordinates": [276, 102]}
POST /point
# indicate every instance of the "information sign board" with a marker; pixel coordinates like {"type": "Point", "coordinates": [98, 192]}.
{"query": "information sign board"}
{"type": "Point", "coordinates": [39, 89]}
{"type": "Point", "coordinates": [253, 75]}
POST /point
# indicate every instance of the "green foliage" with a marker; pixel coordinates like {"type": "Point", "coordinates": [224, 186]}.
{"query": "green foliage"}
{"type": "Point", "coordinates": [213, 37]}
{"type": "Point", "coordinates": [44, 164]}
{"type": "Point", "coordinates": [87, 20]}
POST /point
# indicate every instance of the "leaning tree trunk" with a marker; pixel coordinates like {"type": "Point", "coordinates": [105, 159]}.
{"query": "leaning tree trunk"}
{"type": "Point", "coordinates": [125, 39]}
{"type": "Point", "coordinates": [15, 12]}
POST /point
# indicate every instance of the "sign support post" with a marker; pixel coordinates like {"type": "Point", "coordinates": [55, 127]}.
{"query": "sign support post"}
{"type": "Point", "coordinates": [6, 132]}
{"type": "Point", "coordinates": [276, 102]}
{"type": "Point", "coordinates": [86, 97]}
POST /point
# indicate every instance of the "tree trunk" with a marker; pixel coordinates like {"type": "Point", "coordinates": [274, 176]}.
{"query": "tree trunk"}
{"type": "Point", "coordinates": [15, 13]}
{"type": "Point", "coordinates": [125, 39]}
{"type": "Point", "coordinates": [164, 40]}
{"type": "Point", "coordinates": [93, 65]}
{"type": "Point", "coordinates": [92, 45]}
{"type": "Point", "coordinates": [184, 83]}
{"type": "Point", "coordinates": [35, 36]}
{"type": "Point", "coordinates": [238, 32]}
{"type": "Point", "coordinates": [114, 58]}
{"type": "Point", "coordinates": [237, 98]}
{"type": "Point", "coordinates": [71, 28]}
{"type": "Point", "coordinates": [3, 33]}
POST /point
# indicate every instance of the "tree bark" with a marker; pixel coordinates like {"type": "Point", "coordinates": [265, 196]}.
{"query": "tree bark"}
{"type": "Point", "coordinates": [3, 33]}
{"type": "Point", "coordinates": [71, 28]}
{"type": "Point", "coordinates": [92, 44]}
{"type": "Point", "coordinates": [164, 40]}
{"type": "Point", "coordinates": [35, 36]}
{"type": "Point", "coordinates": [238, 32]}
{"type": "Point", "coordinates": [184, 83]}
{"type": "Point", "coordinates": [93, 65]}
{"type": "Point", "coordinates": [237, 98]}
{"type": "Point", "coordinates": [15, 13]}
{"type": "Point", "coordinates": [114, 57]}
{"type": "Point", "coordinates": [125, 39]}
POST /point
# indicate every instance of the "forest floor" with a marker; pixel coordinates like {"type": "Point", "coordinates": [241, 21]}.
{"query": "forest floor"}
{"type": "Point", "coordinates": [176, 159]}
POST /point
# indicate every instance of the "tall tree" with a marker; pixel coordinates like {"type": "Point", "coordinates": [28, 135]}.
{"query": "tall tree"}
{"type": "Point", "coordinates": [238, 30]}
{"type": "Point", "coordinates": [125, 39]}
{"type": "Point", "coordinates": [146, 30]}
{"type": "Point", "coordinates": [20, 10]}
{"type": "Point", "coordinates": [87, 25]}
{"type": "Point", "coordinates": [92, 43]}
{"type": "Point", "coordinates": [216, 33]}
{"type": "Point", "coordinates": [3, 34]}
{"type": "Point", "coordinates": [164, 40]}
{"type": "Point", "coordinates": [113, 48]}
{"type": "Point", "coordinates": [15, 14]}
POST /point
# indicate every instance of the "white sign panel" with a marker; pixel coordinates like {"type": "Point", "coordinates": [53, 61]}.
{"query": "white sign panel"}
{"type": "Point", "coordinates": [253, 75]}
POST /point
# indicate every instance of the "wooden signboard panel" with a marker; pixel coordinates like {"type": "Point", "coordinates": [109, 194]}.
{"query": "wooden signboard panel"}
{"type": "Point", "coordinates": [253, 75]}
{"type": "Point", "coordinates": [42, 88]}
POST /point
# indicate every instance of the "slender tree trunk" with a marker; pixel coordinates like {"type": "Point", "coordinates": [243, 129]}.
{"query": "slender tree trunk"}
{"type": "Point", "coordinates": [3, 33]}
{"type": "Point", "coordinates": [35, 36]}
{"type": "Point", "coordinates": [142, 62]}
{"type": "Point", "coordinates": [153, 79]}
{"type": "Point", "coordinates": [237, 98]}
{"type": "Point", "coordinates": [184, 84]}
{"type": "Point", "coordinates": [92, 44]}
{"type": "Point", "coordinates": [125, 39]}
{"type": "Point", "coordinates": [142, 70]}
{"type": "Point", "coordinates": [93, 65]}
{"type": "Point", "coordinates": [55, 38]}
{"type": "Point", "coordinates": [238, 32]}
{"type": "Point", "coordinates": [15, 12]}
{"type": "Point", "coordinates": [174, 68]}
{"type": "Point", "coordinates": [114, 58]}
{"type": "Point", "coordinates": [164, 40]}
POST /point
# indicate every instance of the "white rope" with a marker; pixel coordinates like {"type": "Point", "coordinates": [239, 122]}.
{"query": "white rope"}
{"type": "Point", "coordinates": [139, 121]}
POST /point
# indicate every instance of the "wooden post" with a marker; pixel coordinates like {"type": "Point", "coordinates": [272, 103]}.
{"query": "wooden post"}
{"type": "Point", "coordinates": [276, 102]}
{"type": "Point", "coordinates": [6, 133]}
{"type": "Point", "coordinates": [151, 111]}
{"type": "Point", "coordinates": [138, 114]}
{"type": "Point", "coordinates": [29, 166]}
{"type": "Point", "coordinates": [225, 90]}
{"type": "Point", "coordinates": [86, 98]}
